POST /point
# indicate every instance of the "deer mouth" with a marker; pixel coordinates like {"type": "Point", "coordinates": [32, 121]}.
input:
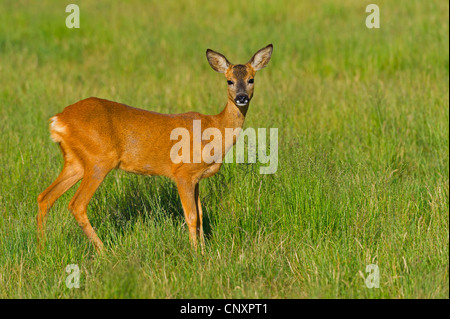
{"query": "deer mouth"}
{"type": "Point", "coordinates": [242, 100]}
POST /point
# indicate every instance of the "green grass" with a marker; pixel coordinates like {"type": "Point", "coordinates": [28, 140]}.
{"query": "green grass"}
{"type": "Point", "coordinates": [363, 174]}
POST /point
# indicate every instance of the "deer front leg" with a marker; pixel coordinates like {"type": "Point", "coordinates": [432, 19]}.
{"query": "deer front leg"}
{"type": "Point", "coordinates": [200, 217]}
{"type": "Point", "coordinates": [186, 190]}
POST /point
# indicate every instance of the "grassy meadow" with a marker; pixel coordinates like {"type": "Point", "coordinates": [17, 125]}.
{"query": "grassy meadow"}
{"type": "Point", "coordinates": [363, 153]}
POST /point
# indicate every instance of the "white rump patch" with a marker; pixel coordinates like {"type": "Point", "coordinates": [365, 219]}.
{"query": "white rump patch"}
{"type": "Point", "coordinates": [56, 128]}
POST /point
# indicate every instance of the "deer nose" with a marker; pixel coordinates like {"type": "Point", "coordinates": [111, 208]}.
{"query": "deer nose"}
{"type": "Point", "coordinates": [241, 99]}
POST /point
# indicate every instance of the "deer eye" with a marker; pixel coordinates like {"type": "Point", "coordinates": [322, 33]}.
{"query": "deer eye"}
{"type": "Point", "coordinates": [230, 82]}
{"type": "Point", "coordinates": [251, 81]}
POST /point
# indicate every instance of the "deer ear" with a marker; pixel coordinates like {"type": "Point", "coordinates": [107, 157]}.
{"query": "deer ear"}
{"type": "Point", "coordinates": [217, 61]}
{"type": "Point", "coordinates": [261, 58]}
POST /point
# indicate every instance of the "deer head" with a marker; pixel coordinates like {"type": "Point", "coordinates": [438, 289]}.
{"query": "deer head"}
{"type": "Point", "coordinates": [240, 77]}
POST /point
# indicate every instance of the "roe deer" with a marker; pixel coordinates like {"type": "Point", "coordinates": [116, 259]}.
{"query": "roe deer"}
{"type": "Point", "coordinates": [96, 136]}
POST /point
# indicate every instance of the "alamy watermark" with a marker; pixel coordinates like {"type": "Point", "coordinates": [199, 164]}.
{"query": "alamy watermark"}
{"type": "Point", "coordinates": [373, 19]}
{"type": "Point", "coordinates": [373, 279]}
{"type": "Point", "coordinates": [196, 149]}
{"type": "Point", "coordinates": [73, 19]}
{"type": "Point", "coordinates": [73, 279]}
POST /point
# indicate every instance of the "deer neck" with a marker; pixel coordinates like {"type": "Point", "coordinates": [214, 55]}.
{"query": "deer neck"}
{"type": "Point", "coordinates": [232, 116]}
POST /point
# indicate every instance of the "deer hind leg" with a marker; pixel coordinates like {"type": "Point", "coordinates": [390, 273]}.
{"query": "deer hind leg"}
{"type": "Point", "coordinates": [71, 173]}
{"type": "Point", "coordinates": [186, 190]}
{"type": "Point", "coordinates": [200, 217]}
{"type": "Point", "coordinates": [78, 205]}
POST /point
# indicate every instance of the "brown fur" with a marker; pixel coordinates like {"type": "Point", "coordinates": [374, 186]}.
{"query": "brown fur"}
{"type": "Point", "coordinates": [97, 135]}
